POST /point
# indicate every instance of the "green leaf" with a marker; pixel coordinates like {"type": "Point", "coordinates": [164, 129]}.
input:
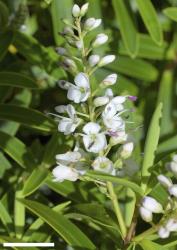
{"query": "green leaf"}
{"type": "Point", "coordinates": [16, 150]}
{"type": "Point", "coordinates": [116, 180]}
{"type": "Point", "coordinates": [4, 92]}
{"type": "Point", "coordinates": [6, 219]}
{"type": "Point", "coordinates": [4, 239]}
{"type": "Point", "coordinates": [59, 10]}
{"type": "Point", "coordinates": [17, 80]}
{"type": "Point", "coordinates": [28, 117]}
{"type": "Point", "coordinates": [19, 214]}
{"type": "Point", "coordinates": [126, 26]}
{"type": "Point", "coordinates": [4, 14]}
{"type": "Point", "coordinates": [149, 16]}
{"type": "Point", "coordinates": [4, 164]}
{"type": "Point", "coordinates": [135, 68]}
{"type": "Point", "coordinates": [167, 146]}
{"type": "Point", "coordinates": [148, 49]}
{"type": "Point", "coordinates": [66, 229]}
{"type": "Point", "coordinates": [166, 93]}
{"type": "Point", "coordinates": [6, 39]}
{"type": "Point", "coordinates": [151, 146]}
{"type": "Point", "coordinates": [149, 245]}
{"type": "Point", "coordinates": [35, 180]}
{"type": "Point", "coordinates": [171, 12]}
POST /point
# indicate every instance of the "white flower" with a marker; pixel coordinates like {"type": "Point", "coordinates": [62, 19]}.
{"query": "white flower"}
{"type": "Point", "coordinates": [127, 149]}
{"type": "Point", "coordinates": [163, 233]}
{"type": "Point", "coordinates": [67, 125]}
{"type": "Point", "coordinates": [62, 173]}
{"type": "Point", "coordinates": [146, 214]}
{"type": "Point", "coordinates": [166, 182]}
{"type": "Point", "coordinates": [171, 225]}
{"type": "Point", "coordinates": [93, 140]}
{"type": "Point", "coordinates": [100, 101]}
{"type": "Point", "coordinates": [69, 157]}
{"type": "Point", "coordinates": [76, 10]}
{"type": "Point", "coordinates": [100, 39]}
{"type": "Point", "coordinates": [84, 9]}
{"type": "Point", "coordinates": [93, 60]}
{"type": "Point", "coordinates": [79, 44]}
{"type": "Point", "coordinates": [173, 190]}
{"type": "Point", "coordinates": [103, 164]}
{"type": "Point", "coordinates": [81, 91]}
{"type": "Point", "coordinates": [175, 158]}
{"type": "Point", "coordinates": [117, 137]}
{"type": "Point", "coordinates": [61, 51]}
{"type": "Point", "coordinates": [92, 23]}
{"type": "Point", "coordinates": [69, 63]}
{"type": "Point", "coordinates": [152, 205]}
{"type": "Point", "coordinates": [106, 60]}
{"type": "Point", "coordinates": [112, 119]}
{"type": "Point", "coordinates": [110, 80]}
{"type": "Point", "coordinates": [68, 31]}
{"type": "Point", "coordinates": [172, 166]}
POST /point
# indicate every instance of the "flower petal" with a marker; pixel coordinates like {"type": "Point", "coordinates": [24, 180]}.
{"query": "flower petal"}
{"type": "Point", "coordinates": [81, 80]}
{"type": "Point", "coordinates": [91, 128]}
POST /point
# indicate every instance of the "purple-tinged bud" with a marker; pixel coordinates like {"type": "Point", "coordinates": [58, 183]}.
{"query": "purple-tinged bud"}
{"type": "Point", "coordinates": [132, 98]}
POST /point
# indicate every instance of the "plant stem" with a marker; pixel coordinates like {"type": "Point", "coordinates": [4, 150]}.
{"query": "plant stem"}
{"type": "Point", "coordinates": [144, 234]}
{"type": "Point", "coordinates": [117, 210]}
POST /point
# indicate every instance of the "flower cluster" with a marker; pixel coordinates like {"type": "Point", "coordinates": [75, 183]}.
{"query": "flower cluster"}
{"type": "Point", "coordinates": [96, 122]}
{"type": "Point", "coordinates": [149, 205]}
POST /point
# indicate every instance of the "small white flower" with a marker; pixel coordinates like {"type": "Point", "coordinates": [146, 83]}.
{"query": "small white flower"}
{"type": "Point", "coordinates": [79, 44]}
{"type": "Point", "coordinates": [76, 10]}
{"type": "Point", "coordinates": [68, 31]}
{"type": "Point", "coordinates": [106, 60]}
{"type": "Point", "coordinates": [61, 51]}
{"type": "Point", "coordinates": [171, 225]}
{"type": "Point", "coordinates": [110, 80]}
{"type": "Point", "coordinates": [117, 137]}
{"type": "Point", "coordinates": [103, 164]}
{"type": "Point", "coordinates": [84, 9]}
{"type": "Point", "coordinates": [146, 214]}
{"type": "Point", "coordinates": [173, 190]}
{"type": "Point", "coordinates": [69, 63]}
{"type": "Point", "coordinates": [163, 233]}
{"type": "Point", "coordinates": [64, 84]}
{"type": "Point", "coordinates": [100, 101]}
{"type": "Point", "coordinates": [175, 158]}
{"type": "Point", "coordinates": [172, 166]}
{"type": "Point", "coordinates": [67, 125]}
{"type": "Point", "coordinates": [93, 140]}
{"type": "Point", "coordinates": [166, 182]}
{"type": "Point", "coordinates": [93, 60]}
{"type": "Point", "coordinates": [81, 90]}
{"type": "Point", "coordinates": [127, 149]}
{"type": "Point", "coordinates": [62, 173]}
{"type": "Point", "coordinates": [69, 157]}
{"type": "Point", "coordinates": [112, 119]}
{"type": "Point", "coordinates": [152, 205]}
{"type": "Point", "coordinates": [92, 23]}
{"type": "Point", "coordinates": [100, 39]}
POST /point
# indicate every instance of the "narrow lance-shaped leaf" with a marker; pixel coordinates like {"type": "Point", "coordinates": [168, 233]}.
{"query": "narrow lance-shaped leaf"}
{"type": "Point", "coordinates": [117, 180]}
{"type": "Point", "coordinates": [66, 229]}
{"type": "Point", "coordinates": [171, 12]}
{"type": "Point", "coordinates": [127, 28]}
{"type": "Point", "coordinates": [28, 117]}
{"type": "Point", "coordinates": [17, 80]}
{"type": "Point", "coordinates": [6, 219]}
{"type": "Point", "coordinates": [5, 40]}
{"type": "Point", "coordinates": [19, 214]}
{"type": "Point", "coordinates": [16, 150]}
{"type": "Point", "coordinates": [151, 146]}
{"type": "Point", "coordinates": [149, 16]}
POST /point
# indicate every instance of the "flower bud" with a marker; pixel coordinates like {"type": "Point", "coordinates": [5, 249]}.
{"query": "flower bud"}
{"type": "Point", "coordinates": [118, 138]}
{"type": "Point", "coordinates": [166, 182]}
{"type": "Point", "coordinates": [63, 84]}
{"type": "Point", "coordinates": [110, 80]}
{"type": "Point", "coordinates": [68, 31]}
{"type": "Point", "coordinates": [146, 215]}
{"type": "Point", "coordinates": [127, 150]}
{"type": "Point", "coordinates": [93, 60]}
{"type": "Point", "coordinates": [100, 101]}
{"type": "Point", "coordinates": [132, 98]}
{"type": "Point", "coordinates": [61, 51]}
{"type": "Point", "coordinates": [79, 44]}
{"type": "Point", "coordinates": [171, 225]}
{"type": "Point", "coordinates": [106, 60]}
{"type": "Point", "coordinates": [69, 63]}
{"type": "Point", "coordinates": [163, 233]}
{"type": "Point", "coordinates": [173, 190]}
{"type": "Point", "coordinates": [76, 10]}
{"type": "Point", "coordinates": [152, 205]}
{"type": "Point", "coordinates": [172, 166]}
{"type": "Point", "coordinates": [84, 9]}
{"type": "Point", "coordinates": [92, 23]}
{"type": "Point", "coordinates": [100, 39]}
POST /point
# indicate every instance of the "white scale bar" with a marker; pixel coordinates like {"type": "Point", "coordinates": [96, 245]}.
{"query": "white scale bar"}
{"type": "Point", "coordinates": [28, 244]}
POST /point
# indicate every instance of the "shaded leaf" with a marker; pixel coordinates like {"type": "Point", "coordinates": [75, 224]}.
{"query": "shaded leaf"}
{"type": "Point", "coordinates": [171, 12]}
